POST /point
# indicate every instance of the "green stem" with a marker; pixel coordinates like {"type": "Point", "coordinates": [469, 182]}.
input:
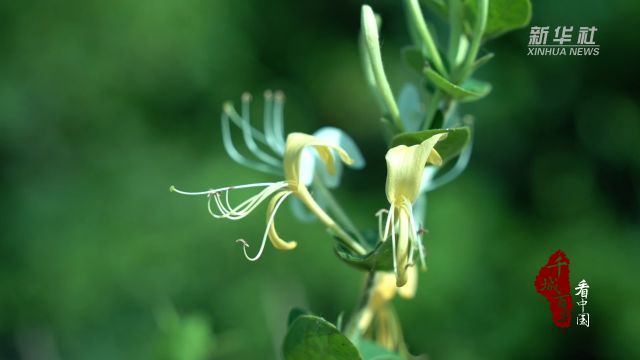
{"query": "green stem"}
{"type": "Point", "coordinates": [418, 22]}
{"type": "Point", "coordinates": [353, 330]}
{"type": "Point", "coordinates": [478, 31]}
{"type": "Point", "coordinates": [455, 22]}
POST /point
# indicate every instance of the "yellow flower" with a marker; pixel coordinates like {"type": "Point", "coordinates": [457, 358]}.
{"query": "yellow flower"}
{"type": "Point", "coordinates": [405, 166]}
{"type": "Point", "coordinates": [295, 144]}
{"type": "Point", "coordinates": [383, 291]}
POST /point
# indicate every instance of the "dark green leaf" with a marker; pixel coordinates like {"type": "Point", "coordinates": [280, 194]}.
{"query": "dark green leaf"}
{"type": "Point", "coordinates": [482, 60]}
{"type": "Point", "coordinates": [379, 259]}
{"type": "Point", "coordinates": [481, 88]}
{"type": "Point", "coordinates": [313, 338]}
{"type": "Point", "coordinates": [471, 89]}
{"type": "Point", "coordinates": [414, 58]}
{"type": "Point", "coordinates": [294, 314]}
{"type": "Point", "coordinates": [438, 120]}
{"type": "Point", "coordinates": [448, 148]}
{"type": "Point", "coordinates": [504, 15]}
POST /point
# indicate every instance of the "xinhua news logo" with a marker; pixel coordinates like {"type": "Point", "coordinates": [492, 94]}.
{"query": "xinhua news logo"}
{"type": "Point", "coordinates": [563, 42]}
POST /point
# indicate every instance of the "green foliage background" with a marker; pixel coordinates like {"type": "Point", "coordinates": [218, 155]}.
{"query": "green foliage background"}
{"type": "Point", "coordinates": [104, 104]}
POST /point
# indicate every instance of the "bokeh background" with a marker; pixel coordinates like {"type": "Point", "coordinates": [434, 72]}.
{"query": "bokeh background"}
{"type": "Point", "coordinates": [104, 104]}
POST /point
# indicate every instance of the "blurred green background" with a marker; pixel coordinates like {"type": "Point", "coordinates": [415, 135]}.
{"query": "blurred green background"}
{"type": "Point", "coordinates": [104, 104]}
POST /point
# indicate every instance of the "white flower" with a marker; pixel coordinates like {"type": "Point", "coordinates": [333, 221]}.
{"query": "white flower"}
{"type": "Point", "coordinates": [294, 147]}
{"type": "Point", "coordinates": [266, 147]}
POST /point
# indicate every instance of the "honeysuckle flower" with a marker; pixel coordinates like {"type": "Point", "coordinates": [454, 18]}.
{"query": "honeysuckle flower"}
{"type": "Point", "coordinates": [405, 165]}
{"type": "Point", "coordinates": [383, 290]}
{"type": "Point", "coordinates": [272, 138]}
{"type": "Point", "coordinates": [294, 147]}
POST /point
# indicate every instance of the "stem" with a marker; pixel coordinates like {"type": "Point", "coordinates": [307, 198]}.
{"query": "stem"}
{"type": "Point", "coordinates": [337, 210]}
{"type": "Point", "coordinates": [478, 30]}
{"type": "Point", "coordinates": [455, 21]}
{"type": "Point", "coordinates": [353, 329]}
{"type": "Point", "coordinates": [416, 17]}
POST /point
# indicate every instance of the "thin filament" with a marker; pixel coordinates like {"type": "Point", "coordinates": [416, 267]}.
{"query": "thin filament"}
{"type": "Point", "coordinates": [278, 119]}
{"type": "Point", "coordinates": [227, 141]}
{"type": "Point", "coordinates": [379, 215]}
{"type": "Point", "coordinates": [248, 136]}
{"type": "Point", "coordinates": [243, 209]}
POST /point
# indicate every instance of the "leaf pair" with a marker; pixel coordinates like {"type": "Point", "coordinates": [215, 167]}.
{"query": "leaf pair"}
{"type": "Point", "coordinates": [470, 90]}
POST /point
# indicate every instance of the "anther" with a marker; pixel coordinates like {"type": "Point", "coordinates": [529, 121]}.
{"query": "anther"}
{"type": "Point", "coordinates": [227, 107]}
{"type": "Point", "coordinates": [243, 242]}
{"type": "Point", "coordinates": [279, 96]}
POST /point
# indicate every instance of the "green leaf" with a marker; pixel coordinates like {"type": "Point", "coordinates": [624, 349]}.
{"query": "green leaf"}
{"type": "Point", "coordinates": [448, 148]}
{"type": "Point", "coordinates": [379, 259]}
{"type": "Point", "coordinates": [414, 58]}
{"type": "Point", "coordinates": [482, 88]}
{"type": "Point", "coordinates": [372, 351]}
{"type": "Point", "coordinates": [482, 60]}
{"type": "Point", "coordinates": [504, 15]}
{"type": "Point", "coordinates": [313, 338]}
{"type": "Point", "coordinates": [470, 89]}
{"type": "Point", "coordinates": [295, 313]}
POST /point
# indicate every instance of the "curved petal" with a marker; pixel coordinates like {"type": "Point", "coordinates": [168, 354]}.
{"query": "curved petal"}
{"type": "Point", "coordinates": [295, 145]}
{"type": "Point", "coordinates": [335, 136]}
{"type": "Point", "coordinates": [405, 165]}
{"type": "Point", "coordinates": [276, 240]}
{"type": "Point", "coordinates": [408, 291]}
{"type": "Point", "coordinates": [307, 166]}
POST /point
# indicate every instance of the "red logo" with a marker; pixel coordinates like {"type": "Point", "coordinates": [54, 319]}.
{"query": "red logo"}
{"type": "Point", "coordinates": [552, 282]}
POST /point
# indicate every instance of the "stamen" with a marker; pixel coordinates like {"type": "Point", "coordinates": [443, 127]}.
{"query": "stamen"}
{"type": "Point", "coordinates": [174, 189]}
{"type": "Point", "coordinates": [247, 206]}
{"type": "Point", "coordinates": [379, 215]}
{"type": "Point", "coordinates": [393, 241]}
{"type": "Point", "coordinates": [387, 225]}
{"type": "Point", "coordinates": [247, 134]}
{"type": "Point", "coordinates": [390, 226]}
{"type": "Point", "coordinates": [227, 141]}
{"type": "Point", "coordinates": [278, 119]}
{"type": "Point", "coordinates": [269, 130]}
{"type": "Point", "coordinates": [228, 108]}
{"type": "Point", "coordinates": [266, 232]}
{"type": "Point", "coordinates": [415, 235]}
{"type": "Point", "coordinates": [213, 191]}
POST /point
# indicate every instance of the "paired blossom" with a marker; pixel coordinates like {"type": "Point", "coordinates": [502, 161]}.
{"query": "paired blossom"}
{"type": "Point", "coordinates": [405, 165]}
{"type": "Point", "coordinates": [296, 159]}
{"type": "Point", "coordinates": [302, 160]}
